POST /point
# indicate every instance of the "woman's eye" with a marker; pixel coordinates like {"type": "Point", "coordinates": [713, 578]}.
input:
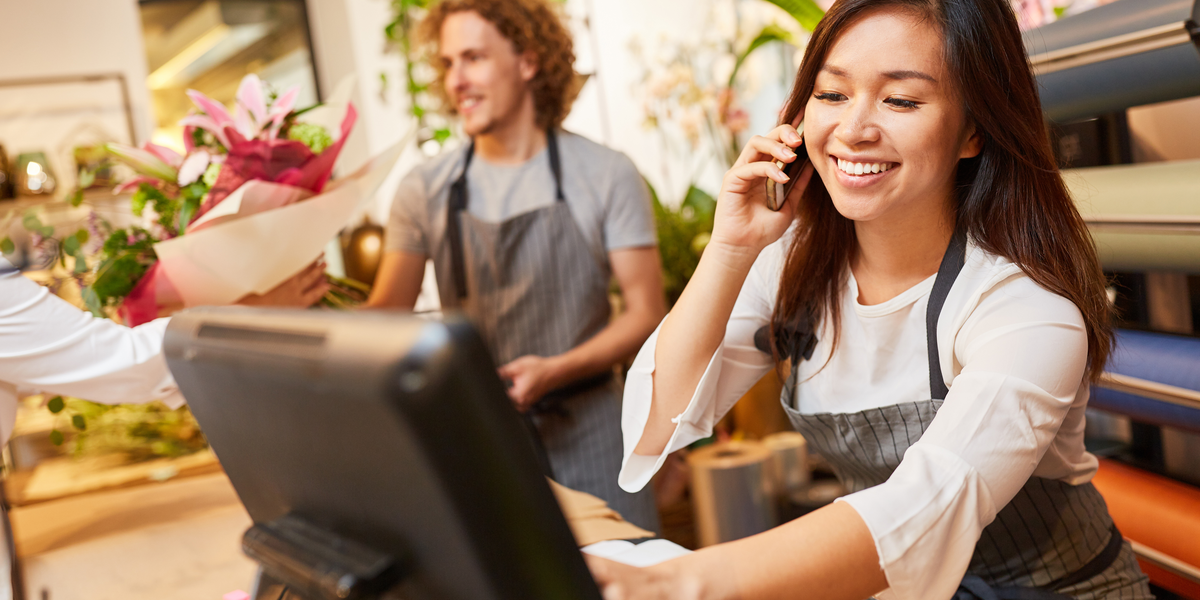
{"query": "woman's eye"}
{"type": "Point", "coordinates": [901, 103]}
{"type": "Point", "coordinates": [830, 97]}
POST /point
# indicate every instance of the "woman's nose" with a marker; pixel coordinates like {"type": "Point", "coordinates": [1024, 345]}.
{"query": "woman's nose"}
{"type": "Point", "coordinates": [858, 124]}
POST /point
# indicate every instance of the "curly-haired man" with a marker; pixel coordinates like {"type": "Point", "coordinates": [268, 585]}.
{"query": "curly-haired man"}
{"type": "Point", "coordinates": [526, 225]}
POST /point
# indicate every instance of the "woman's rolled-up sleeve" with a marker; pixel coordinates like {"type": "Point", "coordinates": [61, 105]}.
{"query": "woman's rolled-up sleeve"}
{"type": "Point", "coordinates": [1023, 352]}
{"type": "Point", "coordinates": [734, 368]}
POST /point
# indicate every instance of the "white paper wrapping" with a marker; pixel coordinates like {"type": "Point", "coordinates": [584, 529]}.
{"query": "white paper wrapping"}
{"type": "Point", "coordinates": [252, 244]}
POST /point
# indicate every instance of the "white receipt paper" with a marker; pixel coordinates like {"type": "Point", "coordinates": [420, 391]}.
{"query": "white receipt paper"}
{"type": "Point", "coordinates": [644, 554]}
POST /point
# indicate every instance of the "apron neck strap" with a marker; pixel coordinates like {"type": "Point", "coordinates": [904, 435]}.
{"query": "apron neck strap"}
{"type": "Point", "coordinates": [458, 203]}
{"type": "Point", "coordinates": [458, 189]}
{"type": "Point", "coordinates": [555, 164]}
{"type": "Point", "coordinates": [952, 264]}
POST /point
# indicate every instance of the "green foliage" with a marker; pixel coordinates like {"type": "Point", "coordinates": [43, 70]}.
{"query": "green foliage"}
{"type": "Point", "coordinates": [124, 258]}
{"type": "Point", "coordinates": [344, 293]}
{"type": "Point", "coordinates": [203, 138]}
{"type": "Point", "coordinates": [400, 31]}
{"type": "Point", "coordinates": [314, 136]}
{"type": "Point", "coordinates": [770, 33]}
{"type": "Point", "coordinates": [190, 198]}
{"type": "Point", "coordinates": [806, 12]}
{"type": "Point", "coordinates": [86, 178]}
{"type": "Point", "coordinates": [210, 174]}
{"type": "Point", "coordinates": [33, 224]}
{"type": "Point", "coordinates": [92, 301]}
{"type": "Point", "coordinates": [72, 246]}
{"type": "Point", "coordinates": [163, 206]}
{"type": "Point", "coordinates": [682, 237]}
{"type": "Point", "coordinates": [139, 431]}
{"type": "Point", "coordinates": [175, 213]}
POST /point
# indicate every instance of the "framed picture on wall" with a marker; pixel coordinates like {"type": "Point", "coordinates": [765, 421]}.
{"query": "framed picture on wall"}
{"type": "Point", "coordinates": [64, 119]}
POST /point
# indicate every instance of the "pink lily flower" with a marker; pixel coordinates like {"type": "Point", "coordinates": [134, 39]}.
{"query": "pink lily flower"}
{"type": "Point", "coordinates": [213, 117]}
{"type": "Point", "coordinates": [252, 115]}
{"type": "Point", "coordinates": [164, 154]}
{"type": "Point", "coordinates": [207, 123]}
{"type": "Point", "coordinates": [147, 162]}
{"type": "Point", "coordinates": [193, 167]}
{"type": "Point", "coordinates": [250, 98]}
{"type": "Point", "coordinates": [281, 108]}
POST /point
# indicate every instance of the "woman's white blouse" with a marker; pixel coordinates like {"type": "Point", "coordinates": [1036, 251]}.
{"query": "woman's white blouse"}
{"type": "Point", "coordinates": [48, 345]}
{"type": "Point", "coordinates": [1014, 355]}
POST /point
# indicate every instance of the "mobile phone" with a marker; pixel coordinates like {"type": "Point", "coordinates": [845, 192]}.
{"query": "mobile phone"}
{"type": "Point", "coordinates": [778, 192]}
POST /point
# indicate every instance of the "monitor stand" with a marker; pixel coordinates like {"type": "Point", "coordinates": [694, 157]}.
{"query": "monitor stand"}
{"type": "Point", "coordinates": [301, 561]}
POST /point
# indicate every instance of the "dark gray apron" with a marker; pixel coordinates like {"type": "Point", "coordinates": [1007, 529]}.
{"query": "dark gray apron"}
{"type": "Point", "coordinates": [1052, 541]}
{"type": "Point", "coordinates": [532, 286]}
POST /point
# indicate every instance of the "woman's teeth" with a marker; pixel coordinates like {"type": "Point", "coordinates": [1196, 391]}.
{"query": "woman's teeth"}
{"type": "Point", "coordinates": [853, 168]}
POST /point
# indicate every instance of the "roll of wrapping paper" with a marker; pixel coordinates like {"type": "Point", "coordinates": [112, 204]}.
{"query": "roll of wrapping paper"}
{"type": "Point", "coordinates": [1143, 217]}
{"type": "Point", "coordinates": [789, 462]}
{"type": "Point", "coordinates": [733, 494]}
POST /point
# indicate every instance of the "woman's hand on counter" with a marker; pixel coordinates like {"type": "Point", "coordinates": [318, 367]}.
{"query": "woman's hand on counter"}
{"type": "Point", "coordinates": [830, 550]}
{"type": "Point", "coordinates": [678, 579]}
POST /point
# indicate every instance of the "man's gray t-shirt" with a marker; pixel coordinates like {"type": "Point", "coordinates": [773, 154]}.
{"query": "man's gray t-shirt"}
{"type": "Point", "coordinates": [607, 197]}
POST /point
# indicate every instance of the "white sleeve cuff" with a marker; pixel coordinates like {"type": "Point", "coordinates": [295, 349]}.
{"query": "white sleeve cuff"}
{"type": "Point", "coordinates": [694, 423]}
{"type": "Point", "coordinates": [926, 520]}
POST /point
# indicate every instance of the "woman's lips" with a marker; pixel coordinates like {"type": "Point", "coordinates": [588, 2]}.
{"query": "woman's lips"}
{"type": "Point", "coordinates": [861, 174]}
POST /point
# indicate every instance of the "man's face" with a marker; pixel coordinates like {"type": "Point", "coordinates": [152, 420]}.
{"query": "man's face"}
{"type": "Point", "coordinates": [486, 79]}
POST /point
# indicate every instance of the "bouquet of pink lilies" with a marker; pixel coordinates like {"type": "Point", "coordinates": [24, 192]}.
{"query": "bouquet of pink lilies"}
{"type": "Point", "coordinates": [244, 209]}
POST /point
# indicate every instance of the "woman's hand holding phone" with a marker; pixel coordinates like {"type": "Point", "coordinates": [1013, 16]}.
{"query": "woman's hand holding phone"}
{"type": "Point", "coordinates": [744, 221]}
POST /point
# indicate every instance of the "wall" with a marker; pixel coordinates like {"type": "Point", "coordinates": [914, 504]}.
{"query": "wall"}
{"type": "Point", "coordinates": [48, 38]}
{"type": "Point", "coordinates": [349, 44]}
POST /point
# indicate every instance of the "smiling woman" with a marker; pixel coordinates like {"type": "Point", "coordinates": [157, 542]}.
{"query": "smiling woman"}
{"type": "Point", "coordinates": [943, 312]}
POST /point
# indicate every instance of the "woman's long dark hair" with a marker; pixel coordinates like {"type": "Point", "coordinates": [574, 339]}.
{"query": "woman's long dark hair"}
{"type": "Point", "coordinates": [1010, 199]}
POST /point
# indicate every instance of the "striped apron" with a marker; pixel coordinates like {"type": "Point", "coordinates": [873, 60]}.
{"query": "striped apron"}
{"type": "Point", "coordinates": [532, 285]}
{"type": "Point", "coordinates": [1052, 541]}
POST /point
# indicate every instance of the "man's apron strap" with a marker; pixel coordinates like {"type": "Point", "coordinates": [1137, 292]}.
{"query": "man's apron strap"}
{"type": "Point", "coordinates": [555, 164]}
{"type": "Point", "coordinates": [458, 203]}
{"type": "Point", "coordinates": [975, 588]}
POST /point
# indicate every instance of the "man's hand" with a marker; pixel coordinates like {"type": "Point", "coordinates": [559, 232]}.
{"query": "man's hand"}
{"type": "Point", "coordinates": [301, 290]}
{"type": "Point", "coordinates": [532, 377]}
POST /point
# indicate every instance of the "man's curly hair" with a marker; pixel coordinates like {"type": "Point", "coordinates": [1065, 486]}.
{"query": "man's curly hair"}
{"type": "Point", "coordinates": [531, 25]}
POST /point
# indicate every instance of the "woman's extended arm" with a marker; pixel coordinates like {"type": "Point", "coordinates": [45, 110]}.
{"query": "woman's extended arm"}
{"type": "Point", "coordinates": [821, 555]}
{"type": "Point", "coordinates": [694, 329]}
